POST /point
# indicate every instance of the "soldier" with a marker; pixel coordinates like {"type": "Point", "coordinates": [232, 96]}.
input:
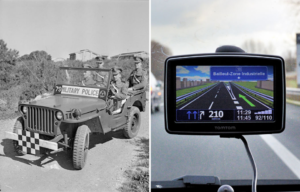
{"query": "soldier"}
{"type": "Point", "coordinates": [89, 77]}
{"type": "Point", "coordinates": [137, 79]}
{"type": "Point", "coordinates": [102, 76]}
{"type": "Point", "coordinates": [118, 90]}
{"type": "Point", "coordinates": [100, 62]}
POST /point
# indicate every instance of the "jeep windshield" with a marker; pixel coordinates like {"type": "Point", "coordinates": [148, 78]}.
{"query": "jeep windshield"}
{"type": "Point", "coordinates": [87, 77]}
{"type": "Point", "coordinates": [190, 27]}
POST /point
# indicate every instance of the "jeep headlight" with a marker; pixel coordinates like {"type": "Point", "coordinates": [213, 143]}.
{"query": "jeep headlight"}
{"type": "Point", "coordinates": [59, 115]}
{"type": "Point", "coordinates": [24, 109]}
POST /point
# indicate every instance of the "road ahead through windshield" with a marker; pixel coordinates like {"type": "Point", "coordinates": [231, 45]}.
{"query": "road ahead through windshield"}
{"type": "Point", "coordinates": [173, 156]}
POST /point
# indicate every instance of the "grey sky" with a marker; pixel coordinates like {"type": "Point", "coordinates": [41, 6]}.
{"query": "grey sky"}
{"type": "Point", "coordinates": [194, 26]}
{"type": "Point", "coordinates": [63, 27]}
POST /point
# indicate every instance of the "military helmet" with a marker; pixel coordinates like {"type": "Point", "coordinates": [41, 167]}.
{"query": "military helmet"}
{"type": "Point", "coordinates": [138, 59]}
{"type": "Point", "coordinates": [117, 70]}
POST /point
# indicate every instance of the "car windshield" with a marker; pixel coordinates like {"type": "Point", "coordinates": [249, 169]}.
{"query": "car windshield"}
{"type": "Point", "coordinates": [83, 77]}
{"type": "Point", "coordinates": [261, 27]}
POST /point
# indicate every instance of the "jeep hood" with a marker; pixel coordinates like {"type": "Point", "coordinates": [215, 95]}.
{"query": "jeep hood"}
{"type": "Point", "coordinates": [67, 103]}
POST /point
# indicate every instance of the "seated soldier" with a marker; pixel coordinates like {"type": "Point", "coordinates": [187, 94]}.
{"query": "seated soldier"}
{"type": "Point", "coordinates": [118, 91]}
{"type": "Point", "coordinates": [101, 76]}
{"type": "Point", "coordinates": [89, 77]}
{"type": "Point", "coordinates": [137, 80]}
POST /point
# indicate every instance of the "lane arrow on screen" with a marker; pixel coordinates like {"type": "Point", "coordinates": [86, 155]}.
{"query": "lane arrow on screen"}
{"type": "Point", "coordinates": [189, 113]}
{"type": "Point", "coordinates": [195, 113]}
{"type": "Point", "coordinates": [245, 99]}
{"type": "Point", "coordinates": [201, 113]}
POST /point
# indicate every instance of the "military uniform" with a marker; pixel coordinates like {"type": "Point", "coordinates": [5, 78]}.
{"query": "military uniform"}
{"type": "Point", "coordinates": [137, 78]}
{"type": "Point", "coordinates": [118, 91]}
{"type": "Point", "coordinates": [102, 78]}
{"type": "Point", "coordinates": [89, 82]}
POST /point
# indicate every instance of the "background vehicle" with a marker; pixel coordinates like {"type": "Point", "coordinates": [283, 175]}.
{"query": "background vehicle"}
{"type": "Point", "coordinates": [156, 94]}
{"type": "Point", "coordinates": [65, 120]}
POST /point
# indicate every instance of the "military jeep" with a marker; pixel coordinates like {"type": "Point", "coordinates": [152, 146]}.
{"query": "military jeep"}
{"type": "Point", "coordinates": [64, 120]}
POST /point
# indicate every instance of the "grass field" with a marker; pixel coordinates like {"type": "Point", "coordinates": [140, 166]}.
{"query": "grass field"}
{"type": "Point", "coordinates": [291, 83]}
{"type": "Point", "coordinates": [265, 101]}
{"type": "Point", "coordinates": [137, 177]}
{"type": "Point", "coordinates": [188, 90]}
{"type": "Point", "coordinates": [251, 85]}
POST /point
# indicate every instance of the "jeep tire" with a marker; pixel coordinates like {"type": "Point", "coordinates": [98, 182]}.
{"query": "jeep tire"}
{"type": "Point", "coordinates": [81, 146]}
{"type": "Point", "coordinates": [133, 125]}
{"type": "Point", "coordinates": [19, 124]}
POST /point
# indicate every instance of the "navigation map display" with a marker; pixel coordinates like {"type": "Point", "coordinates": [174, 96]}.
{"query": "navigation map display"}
{"type": "Point", "coordinates": [224, 93]}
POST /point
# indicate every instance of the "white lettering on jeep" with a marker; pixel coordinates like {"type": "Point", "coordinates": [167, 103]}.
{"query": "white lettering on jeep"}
{"type": "Point", "coordinates": [82, 91]}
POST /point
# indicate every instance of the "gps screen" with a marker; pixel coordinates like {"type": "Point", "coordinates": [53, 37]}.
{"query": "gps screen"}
{"type": "Point", "coordinates": [224, 93]}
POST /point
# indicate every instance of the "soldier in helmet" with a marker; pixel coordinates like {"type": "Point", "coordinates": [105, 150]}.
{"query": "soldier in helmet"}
{"type": "Point", "coordinates": [100, 62]}
{"type": "Point", "coordinates": [118, 90]}
{"type": "Point", "coordinates": [102, 76]}
{"type": "Point", "coordinates": [137, 79]}
{"type": "Point", "coordinates": [89, 77]}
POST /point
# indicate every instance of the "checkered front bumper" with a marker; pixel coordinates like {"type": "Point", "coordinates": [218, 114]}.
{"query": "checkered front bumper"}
{"type": "Point", "coordinates": [30, 142]}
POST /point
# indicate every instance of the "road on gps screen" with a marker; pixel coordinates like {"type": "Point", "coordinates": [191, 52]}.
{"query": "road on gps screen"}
{"type": "Point", "coordinates": [224, 96]}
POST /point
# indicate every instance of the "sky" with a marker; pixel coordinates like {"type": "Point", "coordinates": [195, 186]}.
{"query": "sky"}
{"type": "Point", "coordinates": [193, 73]}
{"type": "Point", "coordinates": [200, 26]}
{"type": "Point", "coordinates": [65, 26]}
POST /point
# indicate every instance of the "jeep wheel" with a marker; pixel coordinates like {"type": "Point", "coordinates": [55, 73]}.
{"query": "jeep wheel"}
{"type": "Point", "coordinates": [81, 146]}
{"type": "Point", "coordinates": [133, 124]}
{"type": "Point", "coordinates": [19, 124]}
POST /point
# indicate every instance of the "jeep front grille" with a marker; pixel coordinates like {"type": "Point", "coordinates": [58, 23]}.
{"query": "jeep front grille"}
{"type": "Point", "coordinates": [41, 120]}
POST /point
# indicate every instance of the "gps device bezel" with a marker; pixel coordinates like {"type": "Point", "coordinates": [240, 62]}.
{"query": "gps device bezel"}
{"type": "Point", "coordinates": [224, 128]}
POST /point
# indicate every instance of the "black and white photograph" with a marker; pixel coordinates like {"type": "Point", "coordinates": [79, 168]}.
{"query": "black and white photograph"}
{"type": "Point", "coordinates": [74, 95]}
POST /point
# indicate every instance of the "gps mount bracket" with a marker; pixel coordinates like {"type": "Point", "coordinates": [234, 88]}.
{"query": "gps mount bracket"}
{"type": "Point", "coordinates": [229, 48]}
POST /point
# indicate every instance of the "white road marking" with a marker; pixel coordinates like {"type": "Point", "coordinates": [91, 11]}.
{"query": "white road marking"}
{"type": "Point", "coordinates": [216, 96]}
{"type": "Point", "coordinates": [211, 105]}
{"type": "Point", "coordinates": [239, 107]}
{"type": "Point", "coordinates": [283, 153]}
{"type": "Point", "coordinates": [230, 92]}
{"type": "Point", "coordinates": [236, 102]}
{"type": "Point", "coordinates": [197, 98]}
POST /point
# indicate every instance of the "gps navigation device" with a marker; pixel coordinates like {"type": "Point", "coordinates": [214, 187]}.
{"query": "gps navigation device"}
{"type": "Point", "coordinates": [224, 93]}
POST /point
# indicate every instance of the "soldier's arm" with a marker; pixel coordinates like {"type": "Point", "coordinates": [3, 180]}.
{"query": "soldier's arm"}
{"type": "Point", "coordinates": [141, 85]}
{"type": "Point", "coordinates": [123, 93]}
